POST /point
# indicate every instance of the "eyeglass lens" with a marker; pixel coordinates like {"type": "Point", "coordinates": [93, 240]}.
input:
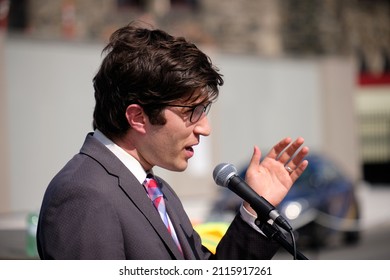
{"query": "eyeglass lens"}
{"type": "Point", "coordinates": [199, 111]}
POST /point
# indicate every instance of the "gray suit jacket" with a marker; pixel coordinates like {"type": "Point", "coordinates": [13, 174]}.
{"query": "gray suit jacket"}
{"type": "Point", "coordinates": [94, 208]}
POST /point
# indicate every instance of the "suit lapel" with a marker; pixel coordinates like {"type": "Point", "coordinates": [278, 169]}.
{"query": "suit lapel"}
{"type": "Point", "coordinates": [180, 232]}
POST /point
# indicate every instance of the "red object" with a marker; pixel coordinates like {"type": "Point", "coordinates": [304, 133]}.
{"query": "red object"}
{"type": "Point", "coordinates": [4, 8]}
{"type": "Point", "coordinates": [374, 80]}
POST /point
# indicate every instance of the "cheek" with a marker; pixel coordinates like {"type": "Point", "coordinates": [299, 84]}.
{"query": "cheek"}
{"type": "Point", "coordinates": [170, 139]}
{"type": "Point", "coordinates": [168, 146]}
{"type": "Point", "coordinates": [164, 144]}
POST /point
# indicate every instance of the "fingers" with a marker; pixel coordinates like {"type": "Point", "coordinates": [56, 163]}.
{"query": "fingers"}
{"type": "Point", "coordinates": [298, 170]}
{"type": "Point", "coordinates": [279, 147]}
{"type": "Point", "coordinates": [291, 155]}
{"type": "Point", "coordinates": [286, 155]}
{"type": "Point", "coordinates": [295, 161]}
{"type": "Point", "coordinates": [293, 158]}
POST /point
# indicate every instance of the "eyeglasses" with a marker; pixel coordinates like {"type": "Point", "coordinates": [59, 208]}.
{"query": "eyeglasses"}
{"type": "Point", "coordinates": [197, 111]}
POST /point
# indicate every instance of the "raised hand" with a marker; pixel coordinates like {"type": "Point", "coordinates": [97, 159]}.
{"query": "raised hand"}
{"type": "Point", "coordinates": [273, 176]}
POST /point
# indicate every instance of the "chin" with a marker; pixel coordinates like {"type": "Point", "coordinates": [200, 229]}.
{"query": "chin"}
{"type": "Point", "coordinates": [179, 168]}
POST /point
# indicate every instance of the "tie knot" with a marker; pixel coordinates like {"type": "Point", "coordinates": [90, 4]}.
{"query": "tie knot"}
{"type": "Point", "coordinates": [152, 188]}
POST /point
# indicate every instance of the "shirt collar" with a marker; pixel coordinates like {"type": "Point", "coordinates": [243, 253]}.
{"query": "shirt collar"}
{"type": "Point", "coordinates": [128, 160]}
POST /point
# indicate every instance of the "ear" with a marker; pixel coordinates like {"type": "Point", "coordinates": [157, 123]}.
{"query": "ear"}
{"type": "Point", "coordinates": [136, 117]}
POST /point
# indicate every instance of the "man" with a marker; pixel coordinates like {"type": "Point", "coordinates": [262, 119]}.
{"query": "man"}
{"type": "Point", "coordinates": [153, 92]}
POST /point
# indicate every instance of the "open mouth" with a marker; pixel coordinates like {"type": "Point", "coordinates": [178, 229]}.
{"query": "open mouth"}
{"type": "Point", "coordinates": [190, 149]}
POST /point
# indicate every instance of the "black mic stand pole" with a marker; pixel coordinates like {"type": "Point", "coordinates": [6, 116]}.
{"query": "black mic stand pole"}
{"type": "Point", "coordinates": [275, 234]}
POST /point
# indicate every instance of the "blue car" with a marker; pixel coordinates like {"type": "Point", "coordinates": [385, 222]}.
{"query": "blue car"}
{"type": "Point", "coordinates": [322, 206]}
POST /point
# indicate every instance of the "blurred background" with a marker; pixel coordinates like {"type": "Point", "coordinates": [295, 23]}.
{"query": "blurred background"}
{"type": "Point", "coordinates": [313, 68]}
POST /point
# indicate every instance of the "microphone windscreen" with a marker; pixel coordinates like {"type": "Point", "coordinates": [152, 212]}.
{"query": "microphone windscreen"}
{"type": "Point", "coordinates": [222, 173]}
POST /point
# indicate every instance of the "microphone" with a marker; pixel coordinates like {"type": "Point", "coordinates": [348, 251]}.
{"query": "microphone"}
{"type": "Point", "coordinates": [225, 175]}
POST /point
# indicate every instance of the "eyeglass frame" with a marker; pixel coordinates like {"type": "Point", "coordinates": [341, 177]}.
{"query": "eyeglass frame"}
{"type": "Point", "coordinates": [204, 111]}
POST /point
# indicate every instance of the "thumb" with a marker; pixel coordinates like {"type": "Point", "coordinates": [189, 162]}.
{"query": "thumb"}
{"type": "Point", "coordinates": [256, 157]}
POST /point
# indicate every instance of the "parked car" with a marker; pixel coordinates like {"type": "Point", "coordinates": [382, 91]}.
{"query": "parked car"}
{"type": "Point", "coordinates": [322, 206]}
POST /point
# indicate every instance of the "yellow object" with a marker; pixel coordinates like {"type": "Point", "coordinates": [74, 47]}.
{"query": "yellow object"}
{"type": "Point", "coordinates": [211, 233]}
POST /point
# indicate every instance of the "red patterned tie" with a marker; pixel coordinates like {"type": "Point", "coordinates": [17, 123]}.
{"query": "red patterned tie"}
{"type": "Point", "coordinates": [157, 198]}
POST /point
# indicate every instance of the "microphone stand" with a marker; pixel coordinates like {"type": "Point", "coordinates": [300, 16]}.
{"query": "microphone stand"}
{"type": "Point", "coordinates": [275, 234]}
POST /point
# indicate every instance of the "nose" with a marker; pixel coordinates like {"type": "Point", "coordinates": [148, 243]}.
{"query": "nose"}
{"type": "Point", "coordinates": [202, 127]}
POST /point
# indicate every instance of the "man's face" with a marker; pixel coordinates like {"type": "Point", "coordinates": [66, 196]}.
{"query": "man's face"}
{"type": "Point", "coordinates": [171, 146]}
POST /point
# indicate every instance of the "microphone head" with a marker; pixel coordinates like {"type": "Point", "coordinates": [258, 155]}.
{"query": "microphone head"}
{"type": "Point", "coordinates": [223, 172]}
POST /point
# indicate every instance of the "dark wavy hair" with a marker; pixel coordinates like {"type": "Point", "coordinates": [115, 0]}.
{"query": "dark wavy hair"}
{"type": "Point", "coordinates": [150, 68]}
